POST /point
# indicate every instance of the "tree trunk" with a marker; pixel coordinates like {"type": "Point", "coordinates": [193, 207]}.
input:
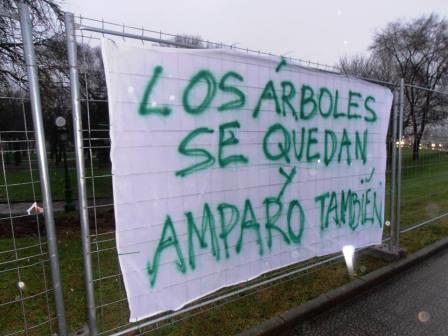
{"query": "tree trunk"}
{"type": "Point", "coordinates": [415, 148]}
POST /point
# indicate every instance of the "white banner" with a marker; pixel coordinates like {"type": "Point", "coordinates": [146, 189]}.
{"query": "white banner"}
{"type": "Point", "coordinates": [227, 165]}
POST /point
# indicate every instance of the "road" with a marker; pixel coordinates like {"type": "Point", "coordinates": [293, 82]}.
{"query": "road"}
{"type": "Point", "coordinates": [412, 303]}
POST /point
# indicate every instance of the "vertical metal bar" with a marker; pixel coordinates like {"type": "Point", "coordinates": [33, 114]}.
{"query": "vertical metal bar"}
{"type": "Point", "coordinates": [393, 179]}
{"type": "Point", "coordinates": [80, 169]}
{"type": "Point", "coordinates": [400, 132]}
{"type": "Point", "coordinates": [93, 206]}
{"type": "Point", "coordinates": [28, 49]}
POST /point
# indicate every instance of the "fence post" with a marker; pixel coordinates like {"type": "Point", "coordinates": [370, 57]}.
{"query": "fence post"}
{"type": "Point", "coordinates": [393, 179]}
{"type": "Point", "coordinates": [33, 80]}
{"type": "Point", "coordinates": [400, 133]}
{"type": "Point", "coordinates": [80, 169]}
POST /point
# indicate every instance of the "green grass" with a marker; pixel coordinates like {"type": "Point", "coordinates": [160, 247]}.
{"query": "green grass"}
{"type": "Point", "coordinates": [228, 318]}
{"type": "Point", "coordinates": [424, 195]}
{"type": "Point", "coordinates": [20, 181]}
{"type": "Point", "coordinates": [424, 188]}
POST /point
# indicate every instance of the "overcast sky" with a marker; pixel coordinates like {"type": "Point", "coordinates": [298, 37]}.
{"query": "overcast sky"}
{"type": "Point", "coordinates": [321, 31]}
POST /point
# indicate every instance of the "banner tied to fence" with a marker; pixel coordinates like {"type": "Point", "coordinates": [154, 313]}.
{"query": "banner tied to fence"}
{"type": "Point", "coordinates": [228, 165]}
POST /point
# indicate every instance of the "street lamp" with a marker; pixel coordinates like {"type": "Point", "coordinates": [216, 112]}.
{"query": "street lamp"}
{"type": "Point", "coordinates": [62, 137]}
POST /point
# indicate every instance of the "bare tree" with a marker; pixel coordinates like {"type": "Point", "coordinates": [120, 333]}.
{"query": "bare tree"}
{"type": "Point", "coordinates": [368, 67]}
{"type": "Point", "coordinates": [46, 16]}
{"type": "Point", "coordinates": [419, 51]}
{"type": "Point", "coordinates": [48, 39]}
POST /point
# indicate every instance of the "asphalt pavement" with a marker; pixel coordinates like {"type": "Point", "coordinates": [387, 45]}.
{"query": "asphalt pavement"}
{"type": "Point", "coordinates": [414, 302]}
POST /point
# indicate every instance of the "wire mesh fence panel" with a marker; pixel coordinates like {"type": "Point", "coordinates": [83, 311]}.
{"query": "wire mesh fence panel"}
{"type": "Point", "coordinates": [111, 305]}
{"type": "Point", "coordinates": [26, 298]}
{"type": "Point", "coordinates": [27, 247]}
{"type": "Point", "coordinates": [424, 151]}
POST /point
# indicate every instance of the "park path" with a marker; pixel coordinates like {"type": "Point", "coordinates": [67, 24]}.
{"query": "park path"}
{"type": "Point", "coordinates": [412, 303]}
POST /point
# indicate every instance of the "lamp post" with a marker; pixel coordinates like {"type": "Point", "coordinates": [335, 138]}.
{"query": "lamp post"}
{"type": "Point", "coordinates": [62, 137]}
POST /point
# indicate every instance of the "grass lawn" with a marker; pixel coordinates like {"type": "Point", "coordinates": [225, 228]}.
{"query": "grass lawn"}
{"type": "Point", "coordinates": [424, 187]}
{"type": "Point", "coordinates": [424, 195]}
{"type": "Point", "coordinates": [21, 179]}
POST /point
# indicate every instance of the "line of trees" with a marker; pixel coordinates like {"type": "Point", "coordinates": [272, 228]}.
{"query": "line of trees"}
{"type": "Point", "coordinates": [417, 51]}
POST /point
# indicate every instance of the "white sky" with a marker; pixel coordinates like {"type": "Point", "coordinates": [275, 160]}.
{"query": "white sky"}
{"type": "Point", "coordinates": [316, 30]}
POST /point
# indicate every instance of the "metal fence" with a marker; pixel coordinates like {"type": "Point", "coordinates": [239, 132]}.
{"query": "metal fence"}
{"type": "Point", "coordinates": [108, 309]}
{"type": "Point", "coordinates": [416, 194]}
{"type": "Point", "coordinates": [423, 141]}
{"type": "Point", "coordinates": [31, 295]}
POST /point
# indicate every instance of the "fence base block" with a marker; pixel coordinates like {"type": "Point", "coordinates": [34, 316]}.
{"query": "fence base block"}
{"type": "Point", "coordinates": [383, 252]}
